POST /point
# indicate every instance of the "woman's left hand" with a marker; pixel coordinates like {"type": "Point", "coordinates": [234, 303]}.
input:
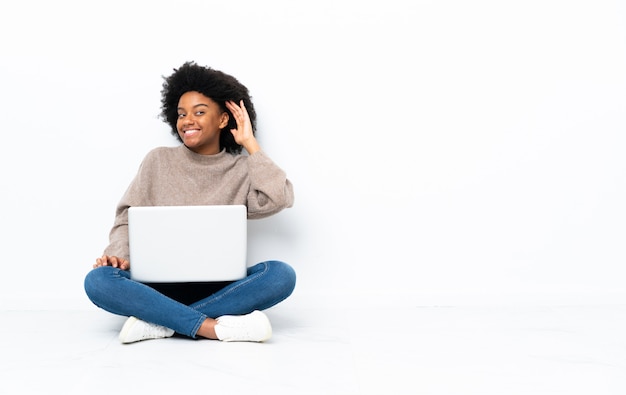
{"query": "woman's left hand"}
{"type": "Point", "coordinates": [110, 260]}
{"type": "Point", "coordinates": [243, 134]}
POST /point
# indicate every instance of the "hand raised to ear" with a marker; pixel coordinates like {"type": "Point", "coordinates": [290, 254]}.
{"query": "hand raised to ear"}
{"type": "Point", "coordinates": [243, 134]}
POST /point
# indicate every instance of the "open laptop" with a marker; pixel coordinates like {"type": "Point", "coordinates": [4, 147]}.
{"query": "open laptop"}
{"type": "Point", "coordinates": [187, 243]}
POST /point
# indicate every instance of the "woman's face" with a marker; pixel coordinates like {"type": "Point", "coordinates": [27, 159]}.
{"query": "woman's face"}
{"type": "Point", "coordinates": [200, 120]}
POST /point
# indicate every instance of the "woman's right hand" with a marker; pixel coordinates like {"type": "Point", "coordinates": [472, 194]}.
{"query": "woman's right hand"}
{"type": "Point", "coordinates": [114, 261]}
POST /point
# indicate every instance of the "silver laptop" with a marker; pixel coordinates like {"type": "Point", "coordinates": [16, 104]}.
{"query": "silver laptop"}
{"type": "Point", "coordinates": [187, 243]}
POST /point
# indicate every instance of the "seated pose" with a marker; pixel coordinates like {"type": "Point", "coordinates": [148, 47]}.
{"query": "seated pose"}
{"type": "Point", "coordinates": [212, 115]}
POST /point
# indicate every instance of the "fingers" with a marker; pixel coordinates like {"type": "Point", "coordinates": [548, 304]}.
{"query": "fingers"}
{"type": "Point", "coordinates": [243, 134]}
{"type": "Point", "coordinates": [234, 108]}
{"type": "Point", "coordinates": [124, 264]}
{"type": "Point", "coordinates": [113, 261]}
{"type": "Point", "coordinates": [242, 119]}
{"type": "Point", "coordinates": [100, 262]}
{"type": "Point", "coordinates": [239, 112]}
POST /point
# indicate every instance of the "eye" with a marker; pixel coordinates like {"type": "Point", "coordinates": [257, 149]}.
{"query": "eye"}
{"type": "Point", "coordinates": [181, 115]}
{"type": "Point", "coordinates": [199, 112]}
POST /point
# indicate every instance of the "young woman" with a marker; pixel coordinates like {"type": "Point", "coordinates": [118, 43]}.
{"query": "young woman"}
{"type": "Point", "coordinates": [213, 117]}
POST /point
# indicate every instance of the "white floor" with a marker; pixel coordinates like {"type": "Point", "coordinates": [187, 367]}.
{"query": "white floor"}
{"type": "Point", "coordinates": [418, 350]}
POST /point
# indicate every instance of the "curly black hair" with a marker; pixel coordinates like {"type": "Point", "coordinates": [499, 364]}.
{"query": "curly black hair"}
{"type": "Point", "coordinates": [212, 83]}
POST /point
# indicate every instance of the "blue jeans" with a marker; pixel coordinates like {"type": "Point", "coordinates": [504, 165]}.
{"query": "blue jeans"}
{"type": "Point", "coordinates": [266, 284]}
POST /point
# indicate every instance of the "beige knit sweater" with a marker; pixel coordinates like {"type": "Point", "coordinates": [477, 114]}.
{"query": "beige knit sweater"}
{"type": "Point", "coordinates": [177, 176]}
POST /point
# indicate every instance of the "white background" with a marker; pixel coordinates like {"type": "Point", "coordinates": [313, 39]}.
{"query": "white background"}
{"type": "Point", "coordinates": [441, 151]}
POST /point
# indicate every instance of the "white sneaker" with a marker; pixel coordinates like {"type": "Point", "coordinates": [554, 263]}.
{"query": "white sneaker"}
{"type": "Point", "coordinates": [135, 330]}
{"type": "Point", "coordinates": [253, 327]}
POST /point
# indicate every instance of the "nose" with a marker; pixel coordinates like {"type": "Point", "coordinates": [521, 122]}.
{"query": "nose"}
{"type": "Point", "coordinates": [188, 120]}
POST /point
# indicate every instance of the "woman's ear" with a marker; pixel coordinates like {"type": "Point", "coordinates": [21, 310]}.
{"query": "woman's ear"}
{"type": "Point", "coordinates": [224, 120]}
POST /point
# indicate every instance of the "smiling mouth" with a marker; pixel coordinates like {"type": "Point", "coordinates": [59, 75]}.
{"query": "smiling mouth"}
{"type": "Point", "coordinates": [190, 132]}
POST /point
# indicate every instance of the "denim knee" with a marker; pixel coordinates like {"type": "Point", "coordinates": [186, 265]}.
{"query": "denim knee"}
{"type": "Point", "coordinates": [92, 284]}
{"type": "Point", "coordinates": [284, 278]}
{"type": "Point", "coordinates": [99, 282]}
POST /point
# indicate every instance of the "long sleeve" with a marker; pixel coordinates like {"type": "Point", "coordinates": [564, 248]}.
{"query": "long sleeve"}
{"type": "Point", "coordinates": [140, 192]}
{"type": "Point", "coordinates": [270, 190]}
{"type": "Point", "coordinates": [118, 236]}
